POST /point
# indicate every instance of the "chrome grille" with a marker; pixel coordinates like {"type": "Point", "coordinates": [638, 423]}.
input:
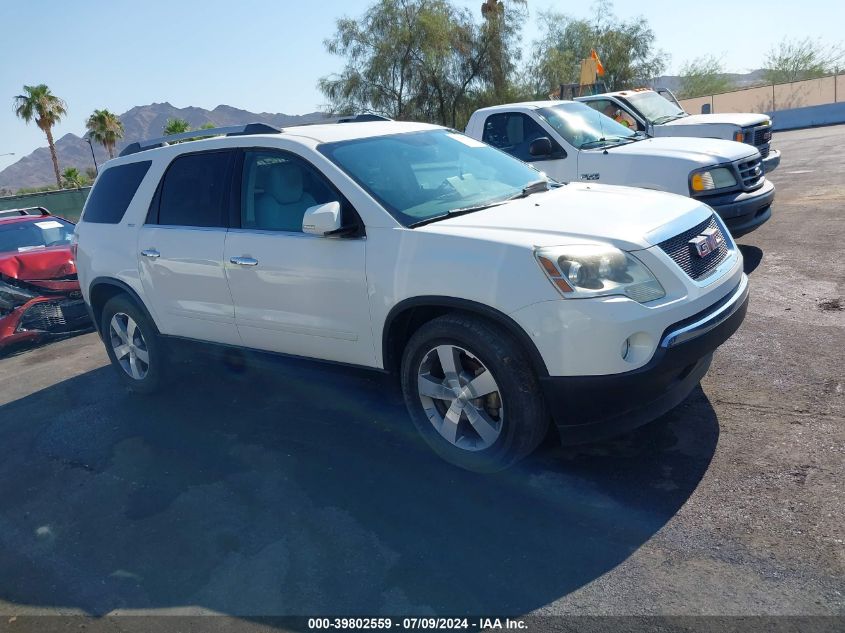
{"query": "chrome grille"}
{"type": "Point", "coordinates": [679, 249]}
{"type": "Point", "coordinates": [762, 135]}
{"type": "Point", "coordinates": [750, 173]}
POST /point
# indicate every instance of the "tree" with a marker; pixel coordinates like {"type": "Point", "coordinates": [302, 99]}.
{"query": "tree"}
{"type": "Point", "coordinates": [105, 128]}
{"type": "Point", "coordinates": [625, 47]}
{"type": "Point", "coordinates": [176, 126]}
{"type": "Point", "coordinates": [795, 60]}
{"type": "Point", "coordinates": [704, 76]}
{"type": "Point", "coordinates": [37, 102]}
{"type": "Point", "coordinates": [72, 179]}
{"type": "Point", "coordinates": [420, 59]}
{"type": "Point", "coordinates": [207, 126]}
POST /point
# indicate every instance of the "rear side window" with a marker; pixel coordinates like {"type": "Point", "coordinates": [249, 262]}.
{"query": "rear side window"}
{"type": "Point", "coordinates": [195, 190]}
{"type": "Point", "coordinates": [114, 191]}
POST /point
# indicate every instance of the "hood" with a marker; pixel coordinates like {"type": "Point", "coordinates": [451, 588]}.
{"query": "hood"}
{"type": "Point", "coordinates": [46, 267]}
{"type": "Point", "coordinates": [579, 212]}
{"type": "Point", "coordinates": [703, 151]}
{"type": "Point", "coordinates": [742, 119]}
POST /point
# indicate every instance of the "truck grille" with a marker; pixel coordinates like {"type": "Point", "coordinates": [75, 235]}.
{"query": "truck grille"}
{"type": "Point", "coordinates": [751, 173]}
{"type": "Point", "coordinates": [679, 249]}
{"type": "Point", "coordinates": [55, 316]}
{"type": "Point", "coordinates": [762, 135]}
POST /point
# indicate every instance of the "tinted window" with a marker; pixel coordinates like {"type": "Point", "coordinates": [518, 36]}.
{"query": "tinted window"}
{"type": "Point", "coordinates": [277, 190]}
{"type": "Point", "coordinates": [114, 191]}
{"type": "Point", "coordinates": [195, 190]}
{"type": "Point", "coordinates": [513, 133]}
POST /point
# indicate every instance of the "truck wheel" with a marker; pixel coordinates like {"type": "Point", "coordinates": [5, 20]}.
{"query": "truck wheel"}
{"type": "Point", "coordinates": [472, 393]}
{"type": "Point", "coordinates": [133, 346]}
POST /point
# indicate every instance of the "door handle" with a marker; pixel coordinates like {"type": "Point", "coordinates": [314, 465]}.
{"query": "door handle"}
{"type": "Point", "coordinates": [151, 253]}
{"type": "Point", "coordinates": [244, 261]}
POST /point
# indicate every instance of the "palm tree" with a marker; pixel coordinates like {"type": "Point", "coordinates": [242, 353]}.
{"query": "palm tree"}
{"type": "Point", "coordinates": [72, 179]}
{"type": "Point", "coordinates": [47, 109]}
{"type": "Point", "coordinates": [176, 126]}
{"type": "Point", "coordinates": [106, 128]}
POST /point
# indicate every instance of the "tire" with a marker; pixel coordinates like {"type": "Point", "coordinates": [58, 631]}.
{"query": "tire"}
{"type": "Point", "coordinates": [141, 365]}
{"type": "Point", "coordinates": [502, 431]}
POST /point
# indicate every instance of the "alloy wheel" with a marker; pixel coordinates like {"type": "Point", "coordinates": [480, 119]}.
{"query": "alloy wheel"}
{"type": "Point", "coordinates": [129, 346]}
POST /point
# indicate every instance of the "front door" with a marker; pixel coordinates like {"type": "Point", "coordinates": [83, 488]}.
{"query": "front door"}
{"type": "Point", "coordinates": [296, 293]}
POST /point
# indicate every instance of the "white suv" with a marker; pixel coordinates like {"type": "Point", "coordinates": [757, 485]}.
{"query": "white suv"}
{"type": "Point", "coordinates": [503, 300]}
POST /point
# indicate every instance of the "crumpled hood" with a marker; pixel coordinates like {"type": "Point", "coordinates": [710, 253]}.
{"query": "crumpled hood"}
{"type": "Point", "coordinates": [703, 151]}
{"type": "Point", "coordinates": [578, 212]}
{"type": "Point", "coordinates": [742, 119]}
{"type": "Point", "coordinates": [45, 267]}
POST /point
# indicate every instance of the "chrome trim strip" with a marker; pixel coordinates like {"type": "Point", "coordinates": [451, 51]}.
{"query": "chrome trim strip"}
{"type": "Point", "coordinates": [711, 320]}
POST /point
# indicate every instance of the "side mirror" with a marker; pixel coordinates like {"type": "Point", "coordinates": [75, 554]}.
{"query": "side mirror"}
{"type": "Point", "coordinates": [321, 218]}
{"type": "Point", "coordinates": [540, 147]}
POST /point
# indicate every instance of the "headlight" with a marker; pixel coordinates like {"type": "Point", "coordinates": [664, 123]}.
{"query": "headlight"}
{"type": "Point", "coordinates": [12, 296]}
{"type": "Point", "coordinates": [711, 179]}
{"type": "Point", "coordinates": [598, 270]}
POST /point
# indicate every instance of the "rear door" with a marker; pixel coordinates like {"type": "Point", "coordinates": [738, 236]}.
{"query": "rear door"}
{"type": "Point", "coordinates": [296, 293]}
{"type": "Point", "coordinates": [180, 248]}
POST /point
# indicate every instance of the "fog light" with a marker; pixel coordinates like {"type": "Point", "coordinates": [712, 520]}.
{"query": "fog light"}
{"type": "Point", "coordinates": [626, 347]}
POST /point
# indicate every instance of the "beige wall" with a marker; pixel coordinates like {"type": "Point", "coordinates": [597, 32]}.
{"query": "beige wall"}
{"type": "Point", "coordinates": [768, 98]}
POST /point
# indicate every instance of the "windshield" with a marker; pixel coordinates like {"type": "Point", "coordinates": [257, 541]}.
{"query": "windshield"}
{"type": "Point", "coordinates": [17, 237]}
{"type": "Point", "coordinates": [418, 176]}
{"type": "Point", "coordinates": [584, 127]}
{"type": "Point", "coordinates": [654, 107]}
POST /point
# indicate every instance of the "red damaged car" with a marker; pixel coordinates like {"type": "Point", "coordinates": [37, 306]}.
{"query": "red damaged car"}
{"type": "Point", "coordinates": [39, 291]}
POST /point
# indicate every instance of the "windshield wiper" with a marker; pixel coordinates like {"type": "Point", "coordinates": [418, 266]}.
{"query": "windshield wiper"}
{"type": "Point", "coordinates": [608, 140]}
{"type": "Point", "coordinates": [536, 186]}
{"type": "Point", "coordinates": [455, 212]}
{"type": "Point", "coordinates": [667, 117]}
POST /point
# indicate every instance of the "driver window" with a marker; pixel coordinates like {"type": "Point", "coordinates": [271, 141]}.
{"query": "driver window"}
{"type": "Point", "coordinates": [277, 190]}
{"type": "Point", "coordinates": [513, 132]}
{"type": "Point", "coordinates": [613, 111]}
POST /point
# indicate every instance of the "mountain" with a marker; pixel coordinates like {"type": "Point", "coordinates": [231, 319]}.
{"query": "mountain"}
{"type": "Point", "coordinates": [141, 122]}
{"type": "Point", "coordinates": [738, 80]}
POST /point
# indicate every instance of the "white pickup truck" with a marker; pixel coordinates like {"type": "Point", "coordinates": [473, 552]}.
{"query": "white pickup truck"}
{"type": "Point", "coordinates": [656, 115]}
{"type": "Point", "coordinates": [571, 142]}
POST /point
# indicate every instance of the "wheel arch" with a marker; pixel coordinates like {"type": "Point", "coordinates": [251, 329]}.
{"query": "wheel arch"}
{"type": "Point", "coordinates": [102, 289]}
{"type": "Point", "coordinates": [408, 315]}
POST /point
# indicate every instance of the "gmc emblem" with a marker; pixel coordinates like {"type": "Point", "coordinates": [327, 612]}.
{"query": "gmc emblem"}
{"type": "Point", "coordinates": [708, 241]}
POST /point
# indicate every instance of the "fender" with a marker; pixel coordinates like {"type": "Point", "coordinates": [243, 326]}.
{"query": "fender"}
{"type": "Point", "coordinates": [465, 305]}
{"type": "Point", "coordinates": [117, 285]}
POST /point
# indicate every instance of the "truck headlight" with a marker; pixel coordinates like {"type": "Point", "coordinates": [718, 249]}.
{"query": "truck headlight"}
{"type": "Point", "coordinates": [598, 270]}
{"type": "Point", "coordinates": [711, 179]}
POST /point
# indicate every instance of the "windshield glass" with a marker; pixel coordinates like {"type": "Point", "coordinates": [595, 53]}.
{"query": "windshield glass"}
{"type": "Point", "coordinates": [418, 176]}
{"type": "Point", "coordinates": [654, 107]}
{"type": "Point", "coordinates": [584, 127]}
{"type": "Point", "coordinates": [17, 237]}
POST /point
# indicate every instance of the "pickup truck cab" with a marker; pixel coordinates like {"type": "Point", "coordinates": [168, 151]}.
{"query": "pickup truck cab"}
{"type": "Point", "coordinates": [656, 115]}
{"type": "Point", "coordinates": [572, 142]}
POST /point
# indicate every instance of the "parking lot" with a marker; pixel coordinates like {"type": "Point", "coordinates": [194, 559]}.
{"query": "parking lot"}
{"type": "Point", "coordinates": [304, 490]}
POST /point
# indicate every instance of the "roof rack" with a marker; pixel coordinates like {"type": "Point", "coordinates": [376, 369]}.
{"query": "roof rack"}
{"type": "Point", "coordinates": [235, 130]}
{"type": "Point", "coordinates": [25, 211]}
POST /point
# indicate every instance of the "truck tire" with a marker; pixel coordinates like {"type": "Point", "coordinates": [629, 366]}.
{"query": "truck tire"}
{"type": "Point", "coordinates": [472, 393]}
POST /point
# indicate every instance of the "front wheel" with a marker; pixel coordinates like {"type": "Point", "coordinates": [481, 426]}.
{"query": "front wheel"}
{"type": "Point", "coordinates": [133, 345]}
{"type": "Point", "coordinates": [472, 393]}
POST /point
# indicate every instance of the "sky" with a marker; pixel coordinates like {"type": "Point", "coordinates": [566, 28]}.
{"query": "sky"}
{"type": "Point", "coordinates": [266, 56]}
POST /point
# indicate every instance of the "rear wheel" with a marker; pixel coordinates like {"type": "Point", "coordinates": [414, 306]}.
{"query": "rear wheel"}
{"type": "Point", "coordinates": [472, 393]}
{"type": "Point", "coordinates": [133, 345]}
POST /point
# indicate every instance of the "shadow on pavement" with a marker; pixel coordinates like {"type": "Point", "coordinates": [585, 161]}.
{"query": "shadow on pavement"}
{"type": "Point", "coordinates": [305, 491]}
{"type": "Point", "coordinates": [752, 256]}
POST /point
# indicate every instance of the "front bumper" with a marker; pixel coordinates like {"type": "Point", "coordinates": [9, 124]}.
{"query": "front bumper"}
{"type": "Point", "coordinates": [743, 211]}
{"type": "Point", "coordinates": [43, 317]}
{"type": "Point", "coordinates": [771, 162]}
{"type": "Point", "coordinates": [590, 408]}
